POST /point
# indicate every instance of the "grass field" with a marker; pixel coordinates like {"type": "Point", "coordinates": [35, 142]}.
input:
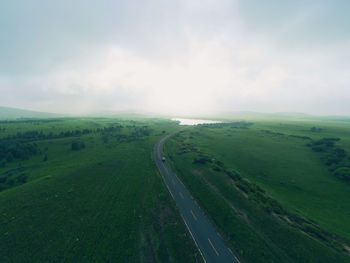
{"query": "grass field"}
{"type": "Point", "coordinates": [87, 190]}
{"type": "Point", "coordinates": [102, 202]}
{"type": "Point", "coordinates": [269, 194]}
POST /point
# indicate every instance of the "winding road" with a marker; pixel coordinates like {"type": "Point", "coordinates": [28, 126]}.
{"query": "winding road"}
{"type": "Point", "coordinates": [210, 244]}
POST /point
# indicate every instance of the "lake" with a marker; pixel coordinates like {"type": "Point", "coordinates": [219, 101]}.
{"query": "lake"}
{"type": "Point", "coordinates": [194, 121]}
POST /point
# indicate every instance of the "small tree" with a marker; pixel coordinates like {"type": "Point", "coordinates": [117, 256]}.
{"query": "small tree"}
{"type": "Point", "coordinates": [77, 145]}
{"type": "Point", "coordinates": [3, 163]}
{"type": "Point", "coordinates": [342, 173]}
{"type": "Point", "coordinates": [9, 157]}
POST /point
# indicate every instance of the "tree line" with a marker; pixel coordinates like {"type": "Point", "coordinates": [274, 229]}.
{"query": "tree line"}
{"type": "Point", "coordinates": [40, 135]}
{"type": "Point", "coordinates": [12, 150]}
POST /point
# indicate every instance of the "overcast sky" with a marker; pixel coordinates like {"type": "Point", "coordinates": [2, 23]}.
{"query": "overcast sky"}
{"type": "Point", "coordinates": [176, 57]}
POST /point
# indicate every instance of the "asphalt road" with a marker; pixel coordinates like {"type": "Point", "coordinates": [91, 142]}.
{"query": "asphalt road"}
{"type": "Point", "coordinates": [210, 244]}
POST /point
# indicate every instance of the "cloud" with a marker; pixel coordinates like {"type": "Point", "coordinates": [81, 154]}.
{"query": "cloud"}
{"type": "Point", "coordinates": [183, 57]}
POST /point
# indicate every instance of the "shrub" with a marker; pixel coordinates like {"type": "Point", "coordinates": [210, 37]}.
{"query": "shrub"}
{"type": "Point", "coordinates": [318, 149]}
{"type": "Point", "coordinates": [234, 175]}
{"type": "Point", "coordinates": [315, 129]}
{"type": "Point", "coordinates": [342, 173]}
{"type": "Point", "coordinates": [215, 167]}
{"type": "Point", "coordinates": [22, 178]}
{"type": "Point", "coordinates": [203, 159]}
{"type": "Point", "coordinates": [2, 163]}
{"type": "Point", "coordinates": [9, 157]}
{"type": "Point", "coordinates": [77, 145]}
{"type": "Point", "coordinates": [311, 229]}
{"type": "Point", "coordinates": [243, 185]}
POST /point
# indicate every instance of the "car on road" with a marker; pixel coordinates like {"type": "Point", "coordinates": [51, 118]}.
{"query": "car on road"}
{"type": "Point", "coordinates": [163, 159]}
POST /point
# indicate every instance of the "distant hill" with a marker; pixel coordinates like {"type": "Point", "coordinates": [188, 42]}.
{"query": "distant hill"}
{"type": "Point", "coordinates": [250, 115]}
{"type": "Point", "coordinates": [269, 115]}
{"type": "Point", "coordinates": [13, 113]}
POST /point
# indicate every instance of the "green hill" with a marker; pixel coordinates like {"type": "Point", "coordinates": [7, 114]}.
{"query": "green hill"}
{"type": "Point", "coordinates": [13, 113]}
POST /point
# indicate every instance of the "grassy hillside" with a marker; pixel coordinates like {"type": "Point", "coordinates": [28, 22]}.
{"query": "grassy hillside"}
{"type": "Point", "coordinates": [273, 197]}
{"type": "Point", "coordinates": [87, 190]}
{"type": "Point", "coordinates": [13, 113]}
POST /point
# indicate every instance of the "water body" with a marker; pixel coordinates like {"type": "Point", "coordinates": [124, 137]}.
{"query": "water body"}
{"type": "Point", "coordinates": [194, 121]}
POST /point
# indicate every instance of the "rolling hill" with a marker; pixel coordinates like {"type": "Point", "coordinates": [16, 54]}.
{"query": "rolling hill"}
{"type": "Point", "coordinates": [7, 113]}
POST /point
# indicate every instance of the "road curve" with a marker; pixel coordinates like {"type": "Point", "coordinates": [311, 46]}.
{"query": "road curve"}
{"type": "Point", "coordinates": [210, 244]}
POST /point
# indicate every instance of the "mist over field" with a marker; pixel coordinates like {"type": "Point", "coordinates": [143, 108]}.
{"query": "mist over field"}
{"type": "Point", "coordinates": [179, 57]}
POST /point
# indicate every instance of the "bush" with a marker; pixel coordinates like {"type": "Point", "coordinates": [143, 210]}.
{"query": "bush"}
{"type": "Point", "coordinates": [318, 149]}
{"type": "Point", "coordinates": [342, 173]}
{"type": "Point", "coordinates": [22, 178]}
{"type": "Point", "coordinates": [234, 175]}
{"type": "Point", "coordinates": [3, 164]}
{"type": "Point", "coordinates": [332, 155]}
{"type": "Point", "coordinates": [215, 167]}
{"type": "Point", "coordinates": [9, 157]}
{"type": "Point", "coordinates": [315, 129]}
{"type": "Point", "coordinates": [243, 185]}
{"type": "Point", "coordinates": [311, 229]}
{"type": "Point", "coordinates": [325, 142]}
{"type": "Point", "coordinates": [203, 159]}
{"type": "Point", "coordinates": [77, 145]}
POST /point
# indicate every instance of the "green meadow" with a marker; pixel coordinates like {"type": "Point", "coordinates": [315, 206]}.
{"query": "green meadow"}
{"type": "Point", "coordinates": [87, 190]}
{"type": "Point", "coordinates": [277, 190]}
